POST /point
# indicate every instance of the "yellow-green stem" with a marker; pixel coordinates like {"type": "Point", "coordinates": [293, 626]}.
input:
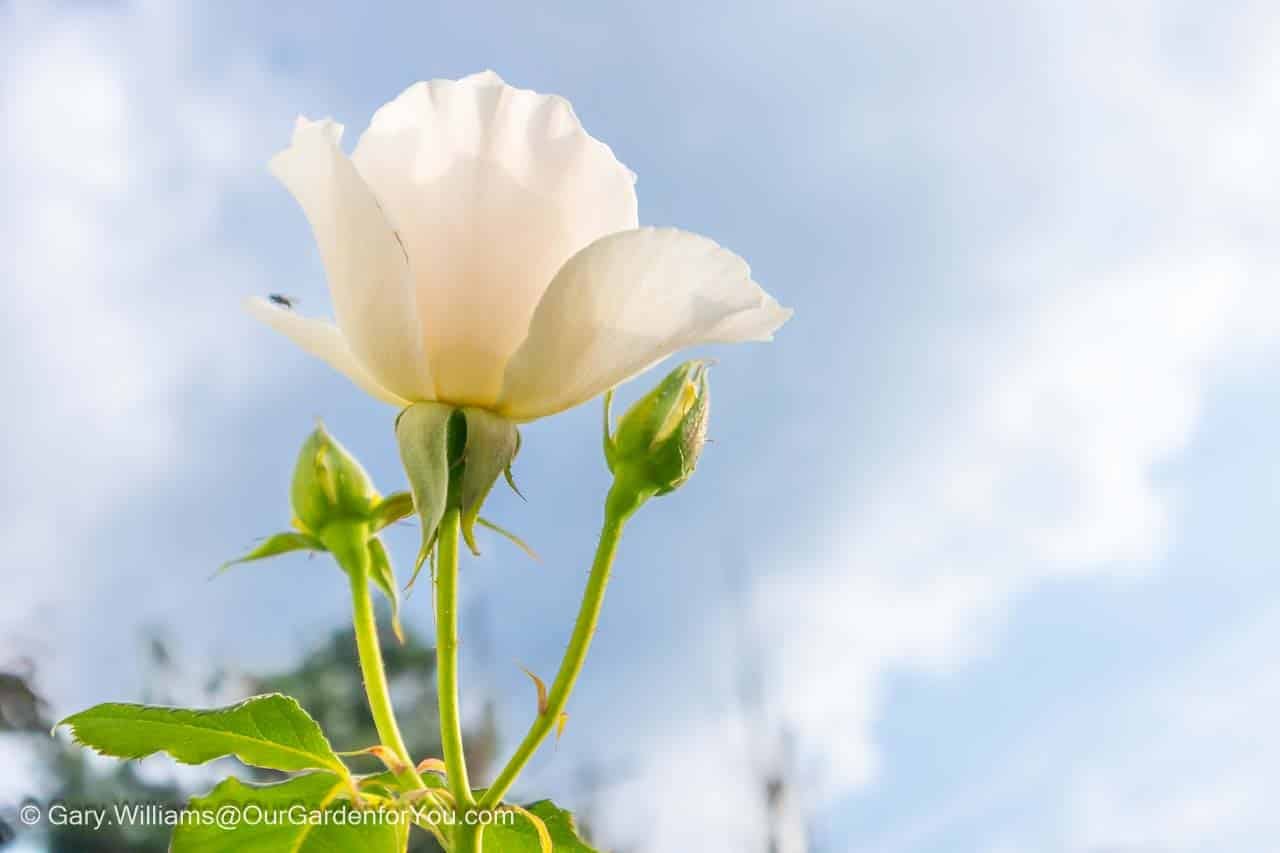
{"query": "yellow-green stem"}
{"type": "Point", "coordinates": [621, 503]}
{"type": "Point", "coordinates": [446, 590]}
{"type": "Point", "coordinates": [466, 839]}
{"type": "Point", "coordinates": [375, 675]}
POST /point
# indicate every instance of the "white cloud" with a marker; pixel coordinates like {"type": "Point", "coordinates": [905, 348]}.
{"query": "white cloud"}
{"type": "Point", "coordinates": [1185, 764]}
{"type": "Point", "coordinates": [1204, 777]}
{"type": "Point", "coordinates": [1139, 277]}
{"type": "Point", "coordinates": [120, 154]}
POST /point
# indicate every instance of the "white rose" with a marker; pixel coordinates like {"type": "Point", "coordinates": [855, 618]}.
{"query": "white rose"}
{"type": "Point", "coordinates": [482, 250]}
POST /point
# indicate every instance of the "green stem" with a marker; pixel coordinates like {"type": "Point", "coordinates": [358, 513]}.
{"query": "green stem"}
{"type": "Point", "coordinates": [446, 587]}
{"type": "Point", "coordinates": [621, 503]}
{"type": "Point", "coordinates": [466, 839]}
{"type": "Point", "coordinates": [371, 664]}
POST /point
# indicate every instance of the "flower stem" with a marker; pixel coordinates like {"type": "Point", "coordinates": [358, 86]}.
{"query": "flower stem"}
{"type": "Point", "coordinates": [621, 503]}
{"type": "Point", "coordinates": [446, 589]}
{"type": "Point", "coordinates": [371, 665]}
{"type": "Point", "coordinates": [466, 838]}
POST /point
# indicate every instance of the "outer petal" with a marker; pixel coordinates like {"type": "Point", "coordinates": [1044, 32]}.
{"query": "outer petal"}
{"type": "Point", "coordinates": [623, 304]}
{"type": "Point", "coordinates": [492, 189]}
{"type": "Point", "coordinates": [368, 271]}
{"type": "Point", "coordinates": [324, 341]}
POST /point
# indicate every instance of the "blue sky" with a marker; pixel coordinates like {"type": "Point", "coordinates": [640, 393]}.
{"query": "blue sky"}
{"type": "Point", "coordinates": [994, 510]}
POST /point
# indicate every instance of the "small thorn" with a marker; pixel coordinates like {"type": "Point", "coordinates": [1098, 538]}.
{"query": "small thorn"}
{"type": "Point", "coordinates": [561, 722]}
{"type": "Point", "coordinates": [542, 691]}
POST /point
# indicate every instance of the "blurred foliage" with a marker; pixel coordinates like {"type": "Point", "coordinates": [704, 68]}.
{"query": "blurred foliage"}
{"type": "Point", "coordinates": [21, 710]}
{"type": "Point", "coordinates": [326, 682]}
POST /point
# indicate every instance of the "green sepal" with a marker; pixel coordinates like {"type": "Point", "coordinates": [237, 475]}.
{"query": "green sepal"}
{"type": "Point", "coordinates": [272, 546]}
{"type": "Point", "coordinates": [270, 731]}
{"type": "Point", "coordinates": [511, 479]}
{"type": "Point", "coordinates": [285, 816]}
{"type": "Point", "coordinates": [391, 509]}
{"type": "Point", "coordinates": [384, 577]}
{"type": "Point", "coordinates": [510, 537]}
{"type": "Point", "coordinates": [492, 443]}
{"type": "Point", "coordinates": [422, 431]}
{"type": "Point", "coordinates": [609, 447]}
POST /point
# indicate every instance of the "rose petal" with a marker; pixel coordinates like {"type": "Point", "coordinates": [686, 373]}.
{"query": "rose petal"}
{"type": "Point", "coordinates": [368, 272]}
{"type": "Point", "coordinates": [492, 189]}
{"type": "Point", "coordinates": [323, 340]}
{"type": "Point", "coordinates": [625, 303]}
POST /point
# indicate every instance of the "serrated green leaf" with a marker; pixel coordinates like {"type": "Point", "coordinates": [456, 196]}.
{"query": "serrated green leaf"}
{"type": "Point", "coordinates": [391, 509]}
{"type": "Point", "coordinates": [545, 844]}
{"type": "Point", "coordinates": [272, 546]}
{"type": "Point", "coordinates": [522, 836]}
{"type": "Point", "coordinates": [269, 731]}
{"type": "Point", "coordinates": [492, 442]}
{"type": "Point", "coordinates": [384, 576]}
{"type": "Point", "coordinates": [302, 815]}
